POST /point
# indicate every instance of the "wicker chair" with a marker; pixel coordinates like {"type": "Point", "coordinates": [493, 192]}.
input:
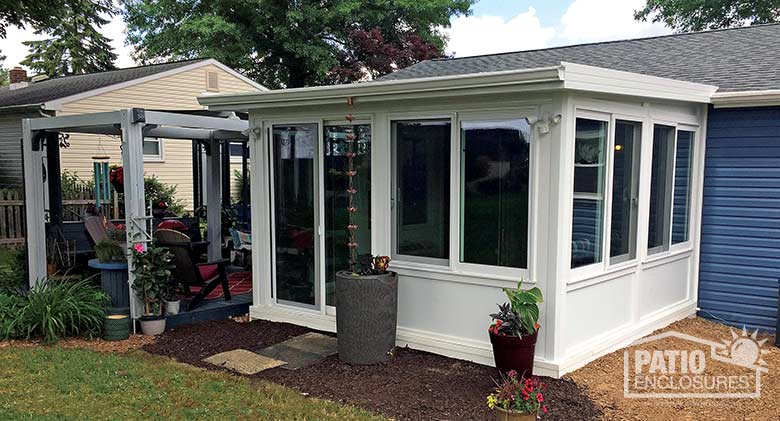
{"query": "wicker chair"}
{"type": "Point", "coordinates": [187, 269]}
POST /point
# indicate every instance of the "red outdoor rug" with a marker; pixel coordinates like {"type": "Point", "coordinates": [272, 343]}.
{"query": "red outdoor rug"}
{"type": "Point", "coordinates": [238, 282]}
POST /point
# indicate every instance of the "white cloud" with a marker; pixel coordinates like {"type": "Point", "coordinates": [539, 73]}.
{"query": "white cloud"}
{"type": "Point", "coordinates": [473, 35]}
{"type": "Point", "coordinates": [605, 20]}
{"type": "Point", "coordinates": [15, 51]}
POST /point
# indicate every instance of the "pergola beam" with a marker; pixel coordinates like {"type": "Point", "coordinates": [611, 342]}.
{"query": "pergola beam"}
{"type": "Point", "coordinates": [71, 123]}
{"type": "Point", "coordinates": [196, 121]}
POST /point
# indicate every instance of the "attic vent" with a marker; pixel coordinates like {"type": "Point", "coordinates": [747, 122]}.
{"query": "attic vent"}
{"type": "Point", "coordinates": [212, 81]}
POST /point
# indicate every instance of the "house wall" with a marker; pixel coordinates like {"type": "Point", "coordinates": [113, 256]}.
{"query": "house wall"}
{"type": "Point", "coordinates": [11, 175]}
{"type": "Point", "coordinates": [174, 92]}
{"type": "Point", "coordinates": [740, 250]}
{"type": "Point", "coordinates": [444, 309]}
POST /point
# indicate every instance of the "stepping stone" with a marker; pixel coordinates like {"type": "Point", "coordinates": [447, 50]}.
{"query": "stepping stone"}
{"type": "Point", "coordinates": [303, 350]}
{"type": "Point", "coordinates": [243, 361]}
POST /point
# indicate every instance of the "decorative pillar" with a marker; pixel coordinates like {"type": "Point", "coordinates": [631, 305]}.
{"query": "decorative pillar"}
{"type": "Point", "coordinates": [213, 200]}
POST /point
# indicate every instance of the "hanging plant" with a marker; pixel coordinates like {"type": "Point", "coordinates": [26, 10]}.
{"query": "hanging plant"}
{"type": "Point", "coordinates": [117, 178]}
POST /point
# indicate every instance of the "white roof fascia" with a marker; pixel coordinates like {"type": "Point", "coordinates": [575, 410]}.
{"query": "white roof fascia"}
{"type": "Point", "coordinates": [56, 104]}
{"type": "Point", "coordinates": [601, 80]}
{"type": "Point", "coordinates": [763, 98]}
{"type": "Point", "coordinates": [526, 79]}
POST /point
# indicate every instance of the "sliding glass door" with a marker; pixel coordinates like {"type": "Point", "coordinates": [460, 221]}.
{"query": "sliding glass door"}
{"type": "Point", "coordinates": [294, 150]}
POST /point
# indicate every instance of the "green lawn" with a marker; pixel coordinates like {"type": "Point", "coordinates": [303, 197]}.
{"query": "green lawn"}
{"type": "Point", "coordinates": [49, 383]}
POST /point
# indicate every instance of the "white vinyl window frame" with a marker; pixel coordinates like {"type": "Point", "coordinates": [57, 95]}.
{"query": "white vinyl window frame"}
{"type": "Point", "coordinates": [456, 202]}
{"type": "Point", "coordinates": [430, 262]}
{"type": "Point", "coordinates": [636, 200]}
{"type": "Point", "coordinates": [159, 157]}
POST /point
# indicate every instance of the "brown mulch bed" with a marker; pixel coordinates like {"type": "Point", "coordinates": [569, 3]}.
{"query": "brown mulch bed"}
{"type": "Point", "coordinates": [414, 386]}
{"type": "Point", "coordinates": [99, 345]}
{"type": "Point", "coordinates": [602, 381]}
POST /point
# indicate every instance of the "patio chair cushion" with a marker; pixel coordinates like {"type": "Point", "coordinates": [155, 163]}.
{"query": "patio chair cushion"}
{"type": "Point", "coordinates": [173, 224]}
{"type": "Point", "coordinates": [208, 272]}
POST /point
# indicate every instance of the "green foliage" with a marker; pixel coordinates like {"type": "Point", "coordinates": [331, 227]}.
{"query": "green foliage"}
{"type": "Point", "coordinates": [4, 78]}
{"type": "Point", "coordinates": [521, 315]}
{"type": "Point", "coordinates": [10, 306]}
{"type": "Point", "coordinates": [42, 13]}
{"type": "Point", "coordinates": [52, 310]}
{"type": "Point", "coordinates": [108, 250]}
{"type": "Point", "coordinates": [13, 269]}
{"type": "Point", "coordinates": [158, 192]}
{"type": "Point", "coordinates": [240, 183]}
{"type": "Point", "coordinates": [698, 15]}
{"type": "Point", "coordinates": [293, 44]}
{"type": "Point", "coordinates": [74, 45]}
{"type": "Point", "coordinates": [73, 185]}
{"type": "Point", "coordinates": [152, 270]}
{"type": "Point", "coordinates": [55, 383]}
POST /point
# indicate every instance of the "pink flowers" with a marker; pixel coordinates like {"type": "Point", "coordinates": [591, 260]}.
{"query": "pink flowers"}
{"type": "Point", "coordinates": [138, 247]}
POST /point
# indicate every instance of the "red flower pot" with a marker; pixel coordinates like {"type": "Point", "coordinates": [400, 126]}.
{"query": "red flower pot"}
{"type": "Point", "coordinates": [513, 353]}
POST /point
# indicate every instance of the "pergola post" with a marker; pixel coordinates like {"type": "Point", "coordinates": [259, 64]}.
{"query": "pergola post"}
{"type": "Point", "coordinates": [214, 200]}
{"type": "Point", "coordinates": [34, 206]}
{"type": "Point", "coordinates": [136, 219]}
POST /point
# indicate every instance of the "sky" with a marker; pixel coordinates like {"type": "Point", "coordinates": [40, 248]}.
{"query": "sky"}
{"type": "Point", "coordinates": [495, 26]}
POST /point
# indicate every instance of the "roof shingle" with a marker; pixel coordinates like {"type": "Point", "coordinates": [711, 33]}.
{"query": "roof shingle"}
{"type": "Point", "coordinates": [62, 87]}
{"type": "Point", "coordinates": [737, 59]}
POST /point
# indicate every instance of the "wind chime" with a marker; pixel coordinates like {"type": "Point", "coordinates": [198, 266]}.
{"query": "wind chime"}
{"type": "Point", "coordinates": [101, 170]}
{"type": "Point", "coordinates": [351, 190]}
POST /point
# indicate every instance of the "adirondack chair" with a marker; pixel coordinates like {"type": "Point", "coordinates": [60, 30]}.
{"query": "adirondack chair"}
{"type": "Point", "coordinates": [187, 269]}
{"type": "Point", "coordinates": [242, 244]}
{"type": "Point", "coordinates": [96, 228]}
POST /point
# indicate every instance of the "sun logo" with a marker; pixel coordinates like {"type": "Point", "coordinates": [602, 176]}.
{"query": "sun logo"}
{"type": "Point", "coordinates": [744, 349]}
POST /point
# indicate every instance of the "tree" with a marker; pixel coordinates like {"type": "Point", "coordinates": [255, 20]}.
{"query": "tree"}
{"type": "Point", "coordinates": [4, 79]}
{"type": "Point", "coordinates": [698, 15]}
{"type": "Point", "coordinates": [293, 43]}
{"type": "Point", "coordinates": [75, 45]}
{"type": "Point", "coordinates": [41, 13]}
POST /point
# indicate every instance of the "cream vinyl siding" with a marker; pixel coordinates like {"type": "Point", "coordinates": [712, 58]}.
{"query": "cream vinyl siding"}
{"type": "Point", "coordinates": [174, 92]}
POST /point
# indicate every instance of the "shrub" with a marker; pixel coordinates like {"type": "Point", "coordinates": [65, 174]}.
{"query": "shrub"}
{"type": "Point", "coordinates": [10, 306]}
{"type": "Point", "coordinates": [162, 196]}
{"type": "Point", "coordinates": [73, 185]}
{"type": "Point", "coordinates": [52, 310]}
{"type": "Point", "coordinates": [13, 269]}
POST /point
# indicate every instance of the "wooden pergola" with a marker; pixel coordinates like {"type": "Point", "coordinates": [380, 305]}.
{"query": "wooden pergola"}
{"type": "Point", "coordinates": [40, 136]}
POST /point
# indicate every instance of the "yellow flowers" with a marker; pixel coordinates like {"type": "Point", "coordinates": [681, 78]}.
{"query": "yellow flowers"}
{"type": "Point", "coordinates": [492, 401]}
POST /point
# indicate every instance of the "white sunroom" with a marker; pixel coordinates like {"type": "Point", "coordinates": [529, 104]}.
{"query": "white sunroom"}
{"type": "Point", "coordinates": [583, 181]}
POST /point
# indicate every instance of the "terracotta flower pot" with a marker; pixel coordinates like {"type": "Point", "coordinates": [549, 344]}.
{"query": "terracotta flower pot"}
{"type": "Point", "coordinates": [513, 353]}
{"type": "Point", "coordinates": [505, 415]}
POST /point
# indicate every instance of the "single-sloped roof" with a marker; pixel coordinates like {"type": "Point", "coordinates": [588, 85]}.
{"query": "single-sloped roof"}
{"type": "Point", "coordinates": [736, 59]}
{"type": "Point", "coordinates": [61, 87]}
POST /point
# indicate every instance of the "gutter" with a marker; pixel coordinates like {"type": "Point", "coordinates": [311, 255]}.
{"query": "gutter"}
{"type": "Point", "coordinates": [10, 109]}
{"type": "Point", "coordinates": [765, 98]}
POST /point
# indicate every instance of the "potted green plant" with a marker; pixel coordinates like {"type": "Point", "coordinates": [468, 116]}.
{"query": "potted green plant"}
{"type": "Point", "coordinates": [109, 251]}
{"type": "Point", "coordinates": [172, 302]}
{"type": "Point", "coordinates": [152, 269]}
{"type": "Point", "coordinates": [517, 399]}
{"type": "Point", "coordinates": [366, 293]}
{"type": "Point", "coordinates": [514, 330]}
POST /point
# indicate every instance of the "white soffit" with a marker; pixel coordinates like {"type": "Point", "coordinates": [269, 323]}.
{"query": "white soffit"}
{"type": "Point", "coordinates": [765, 98]}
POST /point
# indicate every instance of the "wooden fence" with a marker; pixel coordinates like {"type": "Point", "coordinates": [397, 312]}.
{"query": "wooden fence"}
{"type": "Point", "coordinates": [12, 228]}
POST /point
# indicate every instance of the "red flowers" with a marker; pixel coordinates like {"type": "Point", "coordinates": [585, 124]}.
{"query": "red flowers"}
{"type": "Point", "coordinates": [518, 394]}
{"type": "Point", "coordinates": [494, 328]}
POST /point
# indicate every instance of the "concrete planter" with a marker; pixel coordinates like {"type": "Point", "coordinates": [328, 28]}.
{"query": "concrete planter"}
{"type": "Point", "coordinates": [366, 314]}
{"type": "Point", "coordinates": [152, 325]}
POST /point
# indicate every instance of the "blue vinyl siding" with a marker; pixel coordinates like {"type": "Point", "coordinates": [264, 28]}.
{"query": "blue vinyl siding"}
{"type": "Point", "coordinates": [740, 233]}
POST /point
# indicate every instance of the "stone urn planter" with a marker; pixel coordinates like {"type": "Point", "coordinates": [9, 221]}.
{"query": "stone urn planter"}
{"type": "Point", "coordinates": [152, 325]}
{"type": "Point", "coordinates": [506, 415]}
{"type": "Point", "coordinates": [513, 353]}
{"type": "Point", "coordinates": [366, 315]}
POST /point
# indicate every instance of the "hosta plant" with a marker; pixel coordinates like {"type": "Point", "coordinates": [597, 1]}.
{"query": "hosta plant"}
{"type": "Point", "coordinates": [520, 316]}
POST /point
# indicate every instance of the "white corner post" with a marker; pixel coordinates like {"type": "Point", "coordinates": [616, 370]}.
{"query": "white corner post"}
{"type": "Point", "coordinates": [34, 197]}
{"type": "Point", "coordinates": [136, 220]}
{"type": "Point", "coordinates": [214, 199]}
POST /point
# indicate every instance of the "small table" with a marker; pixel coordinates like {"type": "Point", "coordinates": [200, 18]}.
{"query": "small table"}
{"type": "Point", "coordinates": [113, 281]}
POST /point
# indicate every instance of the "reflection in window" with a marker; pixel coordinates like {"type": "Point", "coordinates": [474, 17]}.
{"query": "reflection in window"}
{"type": "Point", "coordinates": [588, 216]}
{"type": "Point", "coordinates": [625, 191]}
{"type": "Point", "coordinates": [660, 189]}
{"type": "Point", "coordinates": [337, 200]}
{"type": "Point", "coordinates": [494, 189]}
{"type": "Point", "coordinates": [682, 186]}
{"type": "Point", "coordinates": [422, 180]}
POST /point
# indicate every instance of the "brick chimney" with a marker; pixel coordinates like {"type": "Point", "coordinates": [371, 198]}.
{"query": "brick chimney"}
{"type": "Point", "coordinates": [17, 74]}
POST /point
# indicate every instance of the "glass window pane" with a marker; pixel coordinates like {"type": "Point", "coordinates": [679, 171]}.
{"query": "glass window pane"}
{"type": "Point", "coordinates": [337, 199]}
{"type": "Point", "coordinates": [236, 149]}
{"type": "Point", "coordinates": [588, 207]}
{"type": "Point", "coordinates": [682, 186]}
{"type": "Point", "coordinates": [625, 190]}
{"type": "Point", "coordinates": [422, 188]}
{"type": "Point", "coordinates": [152, 147]}
{"type": "Point", "coordinates": [294, 149]}
{"type": "Point", "coordinates": [660, 189]}
{"type": "Point", "coordinates": [494, 189]}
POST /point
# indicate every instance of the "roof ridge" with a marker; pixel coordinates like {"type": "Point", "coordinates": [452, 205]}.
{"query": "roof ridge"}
{"type": "Point", "coordinates": [122, 69]}
{"type": "Point", "coordinates": [678, 34]}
